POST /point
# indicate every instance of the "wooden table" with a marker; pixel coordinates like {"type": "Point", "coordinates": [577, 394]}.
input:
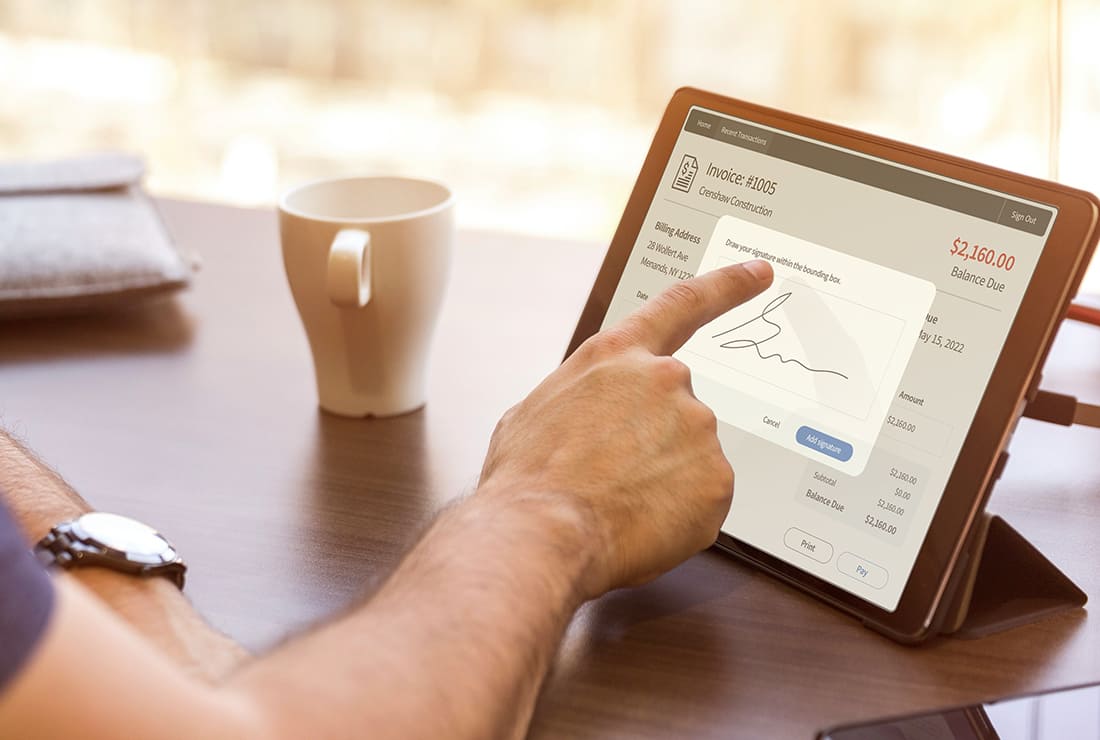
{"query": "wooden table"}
{"type": "Point", "coordinates": [198, 415]}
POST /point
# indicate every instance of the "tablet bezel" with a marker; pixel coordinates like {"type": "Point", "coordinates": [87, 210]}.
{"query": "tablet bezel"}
{"type": "Point", "coordinates": [1053, 284]}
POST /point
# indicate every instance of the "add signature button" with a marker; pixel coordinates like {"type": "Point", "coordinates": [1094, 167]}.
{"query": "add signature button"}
{"type": "Point", "coordinates": [826, 444]}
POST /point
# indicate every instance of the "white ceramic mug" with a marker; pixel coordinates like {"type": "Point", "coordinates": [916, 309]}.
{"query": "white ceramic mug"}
{"type": "Point", "coordinates": [367, 259]}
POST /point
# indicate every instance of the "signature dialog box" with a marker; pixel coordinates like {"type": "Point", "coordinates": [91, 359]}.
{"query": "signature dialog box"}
{"type": "Point", "coordinates": [813, 363]}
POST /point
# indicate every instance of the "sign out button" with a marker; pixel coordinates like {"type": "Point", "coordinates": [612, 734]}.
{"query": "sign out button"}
{"type": "Point", "coordinates": [810, 546]}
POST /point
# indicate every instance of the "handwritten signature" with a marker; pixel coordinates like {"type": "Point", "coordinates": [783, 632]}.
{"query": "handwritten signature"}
{"type": "Point", "coordinates": [742, 343]}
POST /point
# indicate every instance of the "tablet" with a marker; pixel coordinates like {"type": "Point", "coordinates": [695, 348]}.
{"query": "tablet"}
{"type": "Point", "coordinates": [865, 400]}
{"type": "Point", "coordinates": [1072, 712]}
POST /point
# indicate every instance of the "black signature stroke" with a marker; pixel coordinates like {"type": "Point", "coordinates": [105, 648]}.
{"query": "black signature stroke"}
{"type": "Point", "coordinates": [746, 343]}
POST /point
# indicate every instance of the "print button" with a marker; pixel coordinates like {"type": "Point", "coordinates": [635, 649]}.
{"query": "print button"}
{"type": "Point", "coordinates": [808, 545]}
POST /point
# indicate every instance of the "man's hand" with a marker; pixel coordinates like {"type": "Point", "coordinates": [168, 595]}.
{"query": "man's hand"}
{"type": "Point", "coordinates": [617, 435]}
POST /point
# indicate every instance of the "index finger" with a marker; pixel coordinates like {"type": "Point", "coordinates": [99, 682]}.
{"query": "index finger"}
{"type": "Point", "coordinates": [669, 319]}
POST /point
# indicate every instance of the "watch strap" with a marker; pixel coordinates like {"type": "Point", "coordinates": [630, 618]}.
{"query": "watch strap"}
{"type": "Point", "coordinates": [58, 550]}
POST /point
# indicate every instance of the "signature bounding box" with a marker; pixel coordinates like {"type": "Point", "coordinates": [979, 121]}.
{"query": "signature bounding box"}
{"type": "Point", "coordinates": [814, 362]}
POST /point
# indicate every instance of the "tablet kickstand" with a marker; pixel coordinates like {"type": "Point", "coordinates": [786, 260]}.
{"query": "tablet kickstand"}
{"type": "Point", "coordinates": [1007, 583]}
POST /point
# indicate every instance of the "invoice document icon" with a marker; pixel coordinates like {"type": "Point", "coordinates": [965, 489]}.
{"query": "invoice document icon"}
{"type": "Point", "coordinates": [686, 174]}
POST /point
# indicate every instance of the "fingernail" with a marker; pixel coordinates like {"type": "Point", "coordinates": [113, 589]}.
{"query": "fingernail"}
{"type": "Point", "coordinates": [759, 269]}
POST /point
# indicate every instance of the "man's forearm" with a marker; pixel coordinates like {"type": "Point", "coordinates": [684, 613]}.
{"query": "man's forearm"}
{"type": "Point", "coordinates": [455, 644]}
{"type": "Point", "coordinates": [39, 498]}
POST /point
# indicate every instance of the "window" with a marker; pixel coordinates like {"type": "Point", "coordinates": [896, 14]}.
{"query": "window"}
{"type": "Point", "coordinates": [538, 113]}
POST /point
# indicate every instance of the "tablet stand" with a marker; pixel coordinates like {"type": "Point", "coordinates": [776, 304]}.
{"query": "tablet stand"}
{"type": "Point", "coordinates": [1006, 583]}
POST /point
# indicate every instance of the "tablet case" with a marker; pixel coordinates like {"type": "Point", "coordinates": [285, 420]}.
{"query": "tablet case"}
{"type": "Point", "coordinates": [80, 234]}
{"type": "Point", "coordinates": [1006, 583]}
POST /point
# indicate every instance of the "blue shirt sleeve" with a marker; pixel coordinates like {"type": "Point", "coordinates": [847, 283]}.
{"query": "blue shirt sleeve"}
{"type": "Point", "coordinates": [26, 599]}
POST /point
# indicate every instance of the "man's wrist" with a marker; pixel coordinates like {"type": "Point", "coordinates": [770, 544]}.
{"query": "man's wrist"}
{"type": "Point", "coordinates": [551, 528]}
{"type": "Point", "coordinates": [38, 510]}
{"type": "Point", "coordinates": [44, 516]}
{"type": "Point", "coordinates": [36, 496]}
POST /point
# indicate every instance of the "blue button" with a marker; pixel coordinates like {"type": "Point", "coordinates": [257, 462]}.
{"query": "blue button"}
{"type": "Point", "coordinates": [824, 443]}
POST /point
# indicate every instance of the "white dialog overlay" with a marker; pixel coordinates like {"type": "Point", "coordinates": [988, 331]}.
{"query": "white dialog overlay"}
{"type": "Point", "coordinates": [814, 362]}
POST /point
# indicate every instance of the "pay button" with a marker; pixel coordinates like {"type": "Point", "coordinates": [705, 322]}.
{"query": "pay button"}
{"type": "Point", "coordinates": [808, 545]}
{"type": "Point", "coordinates": [852, 565]}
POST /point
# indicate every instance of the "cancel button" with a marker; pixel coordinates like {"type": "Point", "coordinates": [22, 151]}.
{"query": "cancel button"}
{"type": "Point", "coordinates": [771, 422]}
{"type": "Point", "coordinates": [808, 545]}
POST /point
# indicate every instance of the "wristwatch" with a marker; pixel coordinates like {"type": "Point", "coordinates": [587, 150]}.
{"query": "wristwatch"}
{"type": "Point", "coordinates": [111, 541]}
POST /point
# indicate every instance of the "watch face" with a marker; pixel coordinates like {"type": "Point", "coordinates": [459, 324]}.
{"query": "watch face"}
{"type": "Point", "coordinates": [125, 535]}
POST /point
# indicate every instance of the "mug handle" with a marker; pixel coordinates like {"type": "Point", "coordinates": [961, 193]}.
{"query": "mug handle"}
{"type": "Point", "coordinates": [349, 271]}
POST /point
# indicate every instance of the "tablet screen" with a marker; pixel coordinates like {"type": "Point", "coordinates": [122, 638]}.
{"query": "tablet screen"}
{"type": "Point", "coordinates": [844, 392]}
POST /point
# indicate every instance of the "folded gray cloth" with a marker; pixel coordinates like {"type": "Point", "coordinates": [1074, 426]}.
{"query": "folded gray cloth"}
{"type": "Point", "coordinates": [79, 234]}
